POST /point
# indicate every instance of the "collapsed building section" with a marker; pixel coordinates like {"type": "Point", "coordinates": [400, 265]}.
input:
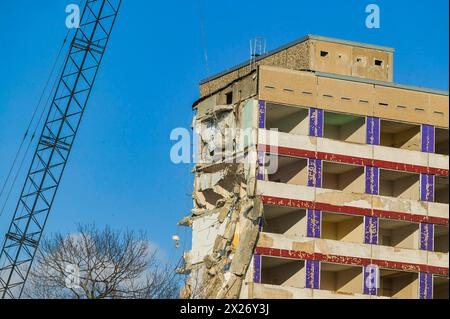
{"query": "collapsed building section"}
{"type": "Point", "coordinates": [319, 177]}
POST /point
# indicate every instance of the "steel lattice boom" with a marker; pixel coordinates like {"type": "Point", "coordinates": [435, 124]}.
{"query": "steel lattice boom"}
{"type": "Point", "coordinates": [55, 144]}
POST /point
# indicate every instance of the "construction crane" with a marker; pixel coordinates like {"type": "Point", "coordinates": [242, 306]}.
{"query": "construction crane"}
{"type": "Point", "coordinates": [55, 144]}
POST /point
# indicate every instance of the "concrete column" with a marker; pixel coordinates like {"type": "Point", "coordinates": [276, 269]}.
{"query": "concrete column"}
{"type": "Point", "coordinates": [313, 274]}
{"type": "Point", "coordinates": [257, 269]}
{"type": "Point", "coordinates": [371, 230]}
{"type": "Point", "coordinates": [314, 173]}
{"type": "Point", "coordinates": [371, 280]}
{"type": "Point", "coordinates": [426, 236]}
{"type": "Point", "coordinates": [262, 114]}
{"type": "Point", "coordinates": [427, 188]}
{"type": "Point", "coordinates": [316, 122]}
{"type": "Point", "coordinates": [425, 285]}
{"type": "Point", "coordinates": [428, 135]}
{"type": "Point", "coordinates": [372, 130]}
{"type": "Point", "coordinates": [314, 222]}
{"type": "Point", "coordinates": [372, 180]}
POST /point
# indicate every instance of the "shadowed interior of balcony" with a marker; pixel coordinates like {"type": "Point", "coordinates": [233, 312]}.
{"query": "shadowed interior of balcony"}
{"type": "Point", "coordinates": [441, 141]}
{"type": "Point", "coordinates": [441, 190]}
{"type": "Point", "coordinates": [400, 135]}
{"type": "Point", "coordinates": [283, 272]}
{"type": "Point", "coordinates": [398, 284]}
{"type": "Point", "coordinates": [441, 239]}
{"type": "Point", "coordinates": [289, 221]}
{"type": "Point", "coordinates": [343, 177]}
{"type": "Point", "coordinates": [346, 228]}
{"type": "Point", "coordinates": [287, 119]}
{"type": "Point", "coordinates": [291, 170]}
{"type": "Point", "coordinates": [341, 278]}
{"type": "Point", "coordinates": [399, 234]}
{"type": "Point", "coordinates": [399, 184]}
{"type": "Point", "coordinates": [344, 127]}
{"type": "Point", "coordinates": [440, 287]}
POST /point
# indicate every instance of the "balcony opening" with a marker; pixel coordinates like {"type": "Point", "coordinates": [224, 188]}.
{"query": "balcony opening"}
{"type": "Point", "coordinates": [287, 119]}
{"type": "Point", "coordinates": [441, 190]}
{"type": "Point", "coordinates": [441, 141]}
{"type": "Point", "coordinates": [345, 127]}
{"type": "Point", "coordinates": [291, 170]}
{"type": "Point", "coordinates": [343, 177]}
{"type": "Point", "coordinates": [399, 234]}
{"type": "Point", "coordinates": [399, 184]}
{"type": "Point", "coordinates": [398, 284]}
{"type": "Point", "coordinates": [342, 227]}
{"type": "Point", "coordinates": [400, 135]}
{"type": "Point", "coordinates": [441, 239]}
{"type": "Point", "coordinates": [283, 272]}
{"type": "Point", "coordinates": [341, 278]}
{"type": "Point", "coordinates": [440, 287]}
{"type": "Point", "coordinates": [288, 221]}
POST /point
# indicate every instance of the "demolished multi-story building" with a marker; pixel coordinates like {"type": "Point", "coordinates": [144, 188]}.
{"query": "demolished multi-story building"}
{"type": "Point", "coordinates": [319, 177]}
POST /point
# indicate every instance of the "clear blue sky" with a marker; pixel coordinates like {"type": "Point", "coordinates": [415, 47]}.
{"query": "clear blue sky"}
{"type": "Point", "coordinates": [120, 172]}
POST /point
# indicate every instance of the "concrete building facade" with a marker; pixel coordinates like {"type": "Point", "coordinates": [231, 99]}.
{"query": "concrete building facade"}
{"type": "Point", "coordinates": [319, 177]}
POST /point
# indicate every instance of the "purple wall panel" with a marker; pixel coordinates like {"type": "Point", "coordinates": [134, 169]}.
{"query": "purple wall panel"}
{"type": "Point", "coordinates": [372, 180]}
{"type": "Point", "coordinates": [257, 269]}
{"type": "Point", "coordinates": [315, 122]}
{"type": "Point", "coordinates": [262, 114]}
{"type": "Point", "coordinates": [313, 223]}
{"type": "Point", "coordinates": [426, 188]}
{"type": "Point", "coordinates": [428, 138]}
{"type": "Point", "coordinates": [426, 236]}
{"type": "Point", "coordinates": [371, 230]}
{"type": "Point", "coordinates": [425, 286]}
{"type": "Point", "coordinates": [314, 173]}
{"type": "Point", "coordinates": [312, 274]}
{"type": "Point", "coordinates": [371, 280]}
{"type": "Point", "coordinates": [373, 130]}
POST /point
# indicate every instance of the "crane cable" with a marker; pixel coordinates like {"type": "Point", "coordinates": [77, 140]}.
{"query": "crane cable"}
{"type": "Point", "coordinates": [27, 132]}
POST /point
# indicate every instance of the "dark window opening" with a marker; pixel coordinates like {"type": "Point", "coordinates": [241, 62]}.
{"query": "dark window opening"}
{"type": "Point", "coordinates": [378, 62]}
{"type": "Point", "coordinates": [229, 98]}
{"type": "Point", "coordinates": [323, 53]}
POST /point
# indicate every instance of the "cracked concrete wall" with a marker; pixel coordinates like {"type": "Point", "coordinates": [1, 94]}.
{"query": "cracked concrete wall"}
{"type": "Point", "coordinates": [225, 217]}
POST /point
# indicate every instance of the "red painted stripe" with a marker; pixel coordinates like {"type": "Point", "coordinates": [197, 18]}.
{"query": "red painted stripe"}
{"type": "Point", "coordinates": [353, 160]}
{"type": "Point", "coordinates": [351, 210]}
{"type": "Point", "coordinates": [349, 260]}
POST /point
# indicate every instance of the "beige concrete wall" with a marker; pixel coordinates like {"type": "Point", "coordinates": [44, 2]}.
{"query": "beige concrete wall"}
{"type": "Point", "coordinates": [407, 187]}
{"type": "Point", "coordinates": [261, 291]}
{"type": "Point", "coordinates": [351, 60]}
{"type": "Point", "coordinates": [403, 287]}
{"type": "Point", "coordinates": [407, 140]}
{"type": "Point", "coordinates": [354, 132]}
{"type": "Point", "coordinates": [350, 281]}
{"type": "Point", "coordinates": [291, 274]}
{"type": "Point", "coordinates": [351, 230]}
{"type": "Point", "coordinates": [359, 98]}
{"type": "Point", "coordinates": [345, 281]}
{"type": "Point", "coordinates": [354, 250]}
{"type": "Point", "coordinates": [357, 150]}
{"type": "Point", "coordinates": [297, 123]}
{"type": "Point", "coordinates": [295, 173]}
{"type": "Point", "coordinates": [352, 181]}
{"type": "Point", "coordinates": [292, 224]}
{"type": "Point", "coordinates": [359, 200]}
{"type": "Point", "coordinates": [402, 237]}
